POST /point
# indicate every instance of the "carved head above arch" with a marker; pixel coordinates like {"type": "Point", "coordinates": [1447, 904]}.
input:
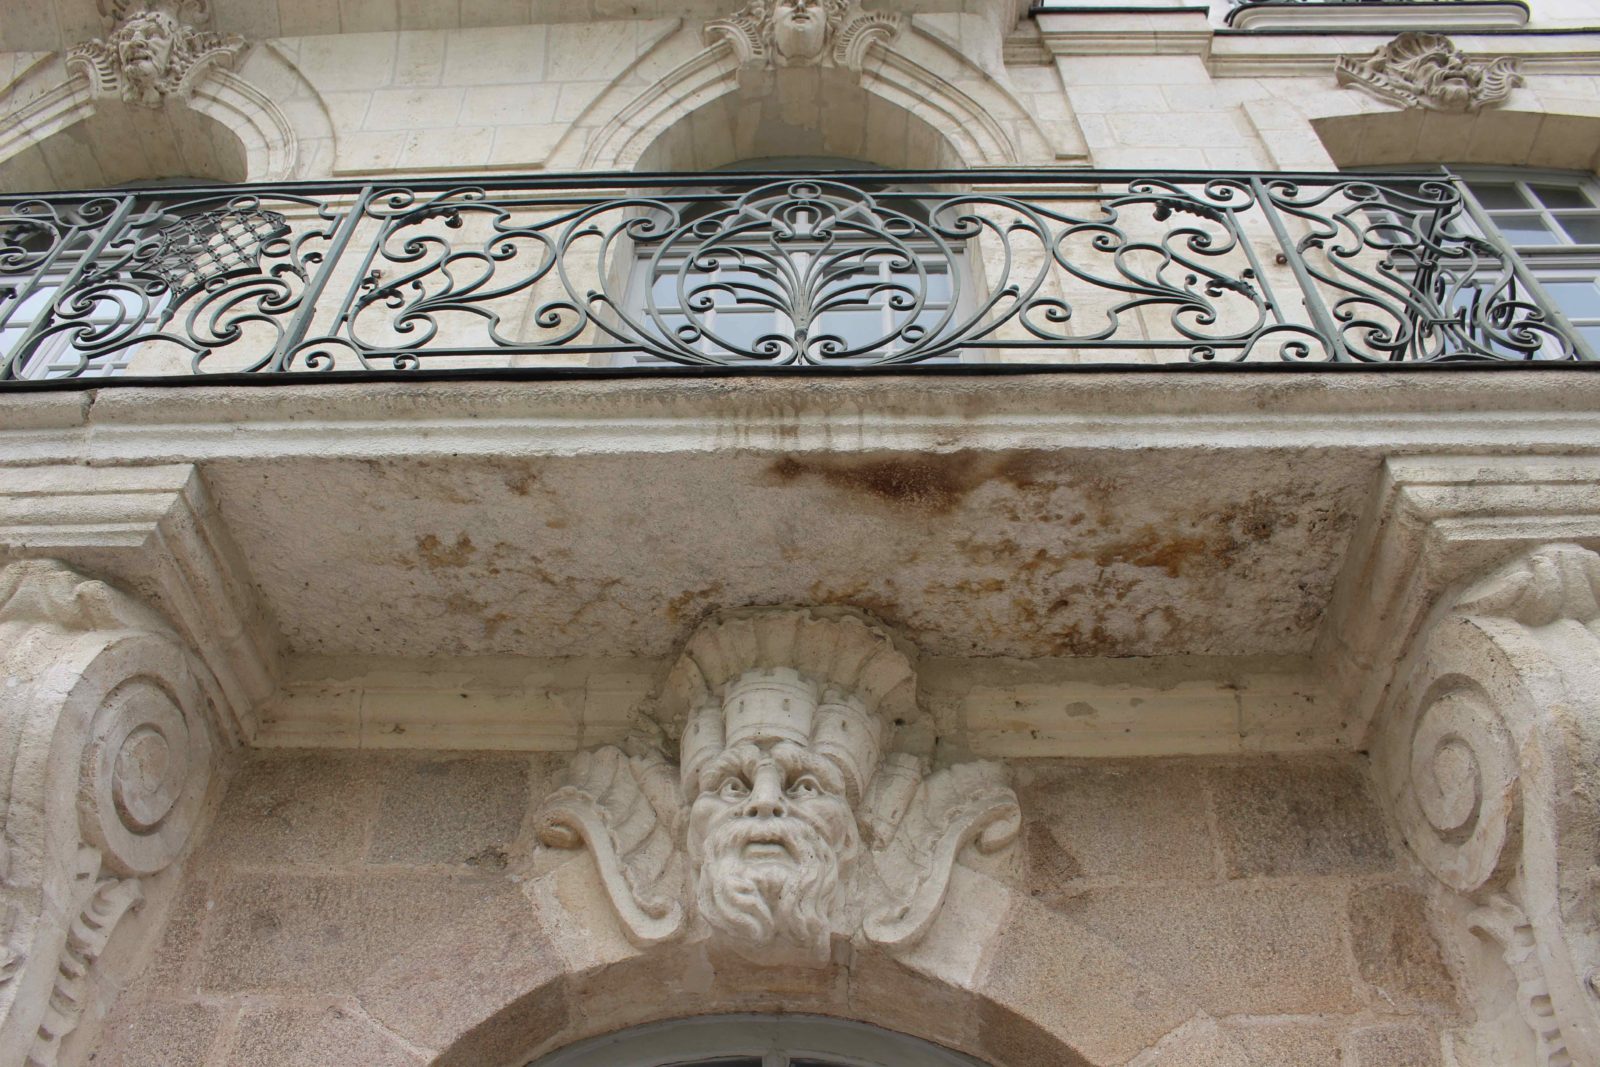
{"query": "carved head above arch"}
{"type": "Point", "coordinates": [153, 51]}
{"type": "Point", "coordinates": [799, 33]}
{"type": "Point", "coordinates": [801, 809]}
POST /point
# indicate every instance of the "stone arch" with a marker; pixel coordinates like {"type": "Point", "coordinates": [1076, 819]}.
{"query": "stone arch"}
{"type": "Point", "coordinates": [998, 977]}
{"type": "Point", "coordinates": [950, 112]}
{"type": "Point", "coordinates": [1357, 131]}
{"type": "Point", "coordinates": [229, 127]}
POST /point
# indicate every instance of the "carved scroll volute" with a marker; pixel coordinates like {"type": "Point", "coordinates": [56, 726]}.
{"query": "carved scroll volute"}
{"type": "Point", "coordinates": [1492, 763]}
{"type": "Point", "coordinates": [106, 746]}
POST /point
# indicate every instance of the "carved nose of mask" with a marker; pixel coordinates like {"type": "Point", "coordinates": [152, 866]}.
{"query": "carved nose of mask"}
{"type": "Point", "coordinates": [766, 796]}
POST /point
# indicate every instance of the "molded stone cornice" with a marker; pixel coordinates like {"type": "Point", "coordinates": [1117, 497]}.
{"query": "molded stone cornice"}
{"type": "Point", "coordinates": [155, 530]}
{"type": "Point", "coordinates": [60, 24]}
{"type": "Point", "coordinates": [1434, 522]}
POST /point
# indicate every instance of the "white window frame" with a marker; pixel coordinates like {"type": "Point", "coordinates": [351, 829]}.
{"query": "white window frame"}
{"type": "Point", "coordinates": [1565, 260]}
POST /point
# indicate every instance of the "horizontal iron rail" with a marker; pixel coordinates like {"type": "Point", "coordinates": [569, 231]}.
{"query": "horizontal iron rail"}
{"type": "Point", "coordinates": [841, 271]}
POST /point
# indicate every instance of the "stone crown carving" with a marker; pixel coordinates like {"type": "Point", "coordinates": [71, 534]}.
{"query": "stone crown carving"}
{"type": "Point", "coordinates": [153, 51]}
{"type": "Point", "coordinates": [801, 810]}
{"type": "Point", "coordinates": [1427, 70]}
{"type": "Point", "coordinates": [801, 33]}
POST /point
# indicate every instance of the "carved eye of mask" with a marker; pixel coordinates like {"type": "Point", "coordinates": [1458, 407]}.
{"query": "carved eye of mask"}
{"type": "Point", "coordinates": [805, 786]}
{"type": "Point", "coordinates": [733, 787]}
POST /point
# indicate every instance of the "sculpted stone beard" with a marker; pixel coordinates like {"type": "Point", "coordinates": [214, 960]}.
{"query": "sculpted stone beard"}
{"type": "Point", "coordinates": [771, 839]}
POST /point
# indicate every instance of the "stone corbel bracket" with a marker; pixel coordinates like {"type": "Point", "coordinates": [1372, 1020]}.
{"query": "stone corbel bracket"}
{"type": "Point", "coordinates": [1490, 755]}
{"type": "Point", "coordinates": [108, 744]}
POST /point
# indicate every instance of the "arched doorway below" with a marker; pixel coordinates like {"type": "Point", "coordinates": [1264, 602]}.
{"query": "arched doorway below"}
{"type": "Point", "coordinates": [755, 1041]}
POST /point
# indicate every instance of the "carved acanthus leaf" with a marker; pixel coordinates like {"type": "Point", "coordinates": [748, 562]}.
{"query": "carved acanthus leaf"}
{"type": "Point", "coordinates": [967, 804]}
{"type": "Point", "coordinates": [1554, 582]}
{"type": "Point", "coordinates": [626, 809]}
{"type": "Point", "coordinates": [1505, 923]}
{"type": "Point", "coordinates": [1427, 70]}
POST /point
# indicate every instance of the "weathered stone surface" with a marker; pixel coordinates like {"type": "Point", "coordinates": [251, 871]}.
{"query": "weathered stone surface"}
{"type": "Point", "coordinates": [288, 808]}
{"type": "Point", "coordinates": [321, 933]}
{"type": "Point", "coordinates": [1396, 952]}
{"type": "Point", "coordinates": [1088, 992]}
{"type": "Point", "coordinates": [1298, 817]}
{"type": "Point", "coordinates": [1393, 1046]}
{"type": "Point", "coordinates": [1013, 1039]}
{"type": "Point", "coordinates": [1198, 1043]}
{"type": "Point", "coordinates": [175, 966]}
{"type": "Point", "coordinates": [457, 810]}
{"type": "Point", "coordinates": [1258, 948]}
{"type": "Point", "coordinates": [1272, 1042]}
{"type": "Point", "coordinates": [315, 1037]}
{"type": "Point", "coordinates": [159, 1033]}
{"type": "Point", "coordinates": [1118, 820]}
{"type": "Point", "coordinates": [489, 956]}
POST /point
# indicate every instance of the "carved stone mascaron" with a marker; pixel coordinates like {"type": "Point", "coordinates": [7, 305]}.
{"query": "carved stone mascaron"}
{"type": "Point", "coordinates": [1427, 70]}
{"type": "Point", "coordinates": [153, 50]}
{"type": "Point", "coordinates": [801, 809]}
{"type": "Point", "coordinates": [798, 33]}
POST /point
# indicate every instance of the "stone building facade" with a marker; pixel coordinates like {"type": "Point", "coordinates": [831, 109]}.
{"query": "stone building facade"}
{"type": "Point", "coordinates": [434, 635]}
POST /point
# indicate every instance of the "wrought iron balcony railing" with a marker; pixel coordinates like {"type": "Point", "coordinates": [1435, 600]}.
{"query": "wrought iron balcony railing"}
{"type": "Point", "coordinates": [1049, 268]}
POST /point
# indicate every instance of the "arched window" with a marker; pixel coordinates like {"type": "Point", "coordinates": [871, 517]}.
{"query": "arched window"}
{"type": "Point", "coordinates": [756, 1041]}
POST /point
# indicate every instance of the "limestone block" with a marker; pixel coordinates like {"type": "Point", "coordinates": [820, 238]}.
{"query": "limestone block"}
{"type": "Point", "coordinates": [159, 1033]}
{"type": "Point", "coordinates": [1127, 820]}
{"type": "Point", "coordinates": [314, 933]}
{"type": "Point", "coordinates": [1253, 947]}
{"type": "Point", "coordinates": [1396, 952]}
{"type": "Point", "coordinates": [1069, 982]}
{"type": "Point", "coordinates": [449, 811]}
{"type": "Point", "coordinates": [495, 961]}
{"type": "Point", "coordinates": [273, 1036]}
{"type": "Point", "coordinates": [1393, 1046]}
{"type": "Point", "coordinates": [1299, 817]}
{"type": "Point", "coordinates": [289, 808]}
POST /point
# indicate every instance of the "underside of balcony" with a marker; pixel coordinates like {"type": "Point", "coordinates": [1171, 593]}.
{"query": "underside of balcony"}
{"type": "Point", "coordinates": [1115, 563]}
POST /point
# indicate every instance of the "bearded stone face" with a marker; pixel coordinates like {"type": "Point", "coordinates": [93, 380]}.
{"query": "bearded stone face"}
{"type": "Point", "coordinates": [144, 45]}
{"type": "Point", "coordinates": [1450, 80]}
{"type": "Point", "coordinates": [772, 839]}
{"type": "Point", "coordinates": [799, 29]}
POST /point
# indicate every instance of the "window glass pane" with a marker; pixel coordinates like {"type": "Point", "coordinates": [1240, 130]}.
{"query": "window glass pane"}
{"type": "Point", "coordinates": [1496, 197]}
{"type": "Point", "coordinates": [1592, 335]}
{"type": "Point", "coordinates": [1584, 229]}
{"type": "Point", "coordinates": [1562, 196]}
{"type": "Point", "coordinates": [1578, 299]}
{"type": "Point", "coordinates": [1525, 230]}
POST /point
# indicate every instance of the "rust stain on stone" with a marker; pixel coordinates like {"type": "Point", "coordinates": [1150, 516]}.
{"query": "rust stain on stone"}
{"type": "Point", "coordinates": [437, 555]}
{"type": "Point", "coordinates": [929, 483]}
{"type": "Point", "coordinates": [693, 603]}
